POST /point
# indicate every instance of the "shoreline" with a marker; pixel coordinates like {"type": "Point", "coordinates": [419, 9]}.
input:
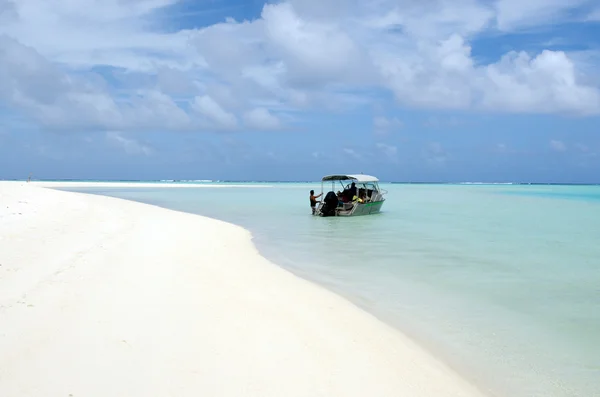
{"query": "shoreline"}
{"type": "Point", "coordinates": [186, 300]}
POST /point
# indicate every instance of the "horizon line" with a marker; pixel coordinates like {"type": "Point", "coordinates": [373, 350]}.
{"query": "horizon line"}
{"type": "Point", "coordinates": [206, 181]}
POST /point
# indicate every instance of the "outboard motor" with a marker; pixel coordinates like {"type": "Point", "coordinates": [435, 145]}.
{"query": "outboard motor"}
{"type": "Point", "coordinates": [330, 203]}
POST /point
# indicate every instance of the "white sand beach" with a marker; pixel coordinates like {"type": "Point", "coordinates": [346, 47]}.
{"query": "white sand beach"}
{"type": "Point", "coordinates": [104, 297]}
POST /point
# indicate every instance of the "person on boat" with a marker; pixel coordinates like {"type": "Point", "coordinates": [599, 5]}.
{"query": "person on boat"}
{"type": "Point", "coordinates": [349, 193]}
{"type": "Point", "coordinates": [352, 190]}
{"type": "Point", "coordinates": [313, 200]}
{"type": "Point", "coordinates": [360, 198]}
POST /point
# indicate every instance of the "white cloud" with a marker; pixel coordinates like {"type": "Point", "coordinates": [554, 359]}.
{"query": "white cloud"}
{"type": "Point", "coordinates": [176, 82]}
{"type": "Point", "coordinates": [88, 32]}
{"type": "Point", "coordinates": [300, 55]}
{"type": "Point", "coordinates": [261, 119]}
{"type": "Point", "coordinates": [314, 51]}
{"type": "Point", "coordinates": [209, 108]}
{"type": "Point", "coordinates": [431, 20]}
{"type": "Point", "coordinates": [518, 14]}
{"type": "Point", "coordinates": [57, 99]}
{"type": "Point", "coordinates": [545, 84]}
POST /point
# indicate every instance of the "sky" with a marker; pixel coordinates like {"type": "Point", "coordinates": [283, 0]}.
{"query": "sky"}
{"type": "Point", "coordinates": [407, 90]}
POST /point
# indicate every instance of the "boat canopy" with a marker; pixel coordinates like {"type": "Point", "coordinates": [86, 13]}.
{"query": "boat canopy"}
{"type": "Point", "coordinates": [358, 178]}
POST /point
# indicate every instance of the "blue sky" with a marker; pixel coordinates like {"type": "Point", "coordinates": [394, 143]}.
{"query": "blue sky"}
{"type": "Point", "coordinates": [463, 90]}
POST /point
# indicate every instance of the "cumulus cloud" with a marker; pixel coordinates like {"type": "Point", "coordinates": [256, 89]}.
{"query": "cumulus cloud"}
{"type": "Point", "coordinates": [261, 119]}
{"type": "Point", "coordinates": [546, 83]}
{"type": "Point", "coordinates": [313, 51]}
{"type": "Point", "coordinates": [111, 66]}
{"type": "Point", "coordinates": [516, 14]}
{"type": "Point", "coordinates": [210, 109]}
{"type": "Point", "coordinates": [62, 100]}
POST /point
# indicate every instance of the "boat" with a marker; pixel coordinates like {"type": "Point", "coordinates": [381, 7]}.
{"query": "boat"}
{"type": "Point", "coordinates": [359, 195]}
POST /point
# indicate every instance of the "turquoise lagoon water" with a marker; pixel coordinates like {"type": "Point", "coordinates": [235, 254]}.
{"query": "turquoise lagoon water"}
{"type": "Point", "coordinates": [501, 282]}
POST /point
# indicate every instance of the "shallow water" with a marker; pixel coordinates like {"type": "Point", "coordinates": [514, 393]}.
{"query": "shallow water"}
{"type": "Point", "coordinates": [503, 282]}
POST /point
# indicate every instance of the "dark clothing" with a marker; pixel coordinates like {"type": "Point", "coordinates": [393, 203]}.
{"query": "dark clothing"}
{"type": "Point", "coordinates": [330, 203]}
{"type": "Point", "coordinates": [349, 193]}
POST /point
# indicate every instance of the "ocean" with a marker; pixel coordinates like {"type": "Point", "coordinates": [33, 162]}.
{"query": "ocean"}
{"type": "Point", "coordinates": [502, 282]}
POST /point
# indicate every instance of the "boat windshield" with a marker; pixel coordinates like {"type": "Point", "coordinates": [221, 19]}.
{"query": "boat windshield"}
{"type": "Point", "coordinates": [357, 191]}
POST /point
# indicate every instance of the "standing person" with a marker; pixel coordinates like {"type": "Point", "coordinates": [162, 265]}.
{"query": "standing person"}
{"type": "Point", "coordinates": [313, 200]}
